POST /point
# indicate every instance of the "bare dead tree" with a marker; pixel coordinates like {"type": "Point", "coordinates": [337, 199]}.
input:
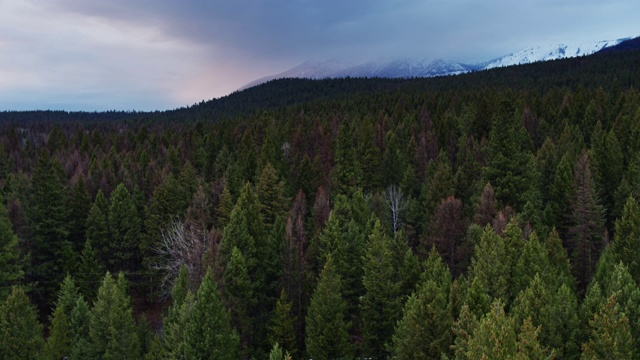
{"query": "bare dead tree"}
{"type": "Point", "coordinates": [396, 202]}
{"type": "Point", "coordinates": [182, 244]}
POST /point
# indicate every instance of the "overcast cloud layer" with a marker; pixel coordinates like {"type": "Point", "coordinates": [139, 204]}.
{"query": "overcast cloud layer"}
{"type": "Point", "coordinates": [162, 54]}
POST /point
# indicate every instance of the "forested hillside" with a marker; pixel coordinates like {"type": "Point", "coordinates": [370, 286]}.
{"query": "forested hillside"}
{"type": "Point", "coordinates": [489, 215]}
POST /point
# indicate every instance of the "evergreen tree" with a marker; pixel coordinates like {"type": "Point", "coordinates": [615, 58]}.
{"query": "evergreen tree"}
{"type": "Point", "coordinates": [225, 206]}
{"type": "Point", "coordinates": [178, 315]}
{"type": "Point", "coordinates": [529, 347]}
{"type": "Point", "coordinates": [98, 233]}
{"type": "Point", "coordinates": [10, 266]}
{"type": "Point", "coordinates": [610, 334]}
{"type": "Point", "coordinates": [79, 206]}
{"type": "Point", "coordinates": [282, 325]}
{"type": "Point", "coordinates": [558, 212]}
{"type": "Point", "coordinates": [90, 271]}
{"type": "Point", "coordinates": [112, 332]}
{"type": "Point", "coordinates": [79, 322]}
{"type": "Point", "coordinates": [491, 264]}
{"type": "Point", "coordinates": [208, 333]}
{"type": "Point", "coordinates": [626, 242]}
{"type": "Point", "coordinates": [270, 191]}
{"type": "Point", "coordinates": [52, 253]}
{"type": "Point", "coordinates": [509, 165]}
{"type": "Point", "coordinates": [59, 343]}
{"type": "Point", "coordinates": [327, 326]}
{"type": "Point", "coordinates": [495, 336]}
{"type": "Point", "coordinates": [124, 226]}
{"type": "Point", "coordinates": [463, 329]}
{"type": "Point", "coordinates": [346, 174]}
{"type": "Point", "coordinates": [424, 332]}
{"type": "Point", "coordinates": [380, 306]}
{"type": "Point", "coordinates": [20, 331]}
{"type": "Point", "coordinates": [239, 297]}
{"type": "Point", "coordinates": [565, 323]}
{"type": "Point", "coordinates": [533, 261]}
{"type": "Point", "coordinates": [587, 224]}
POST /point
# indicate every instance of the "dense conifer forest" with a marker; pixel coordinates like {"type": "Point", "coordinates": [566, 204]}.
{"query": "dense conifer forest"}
{"type": "Point", "coordinates": [490, 215]}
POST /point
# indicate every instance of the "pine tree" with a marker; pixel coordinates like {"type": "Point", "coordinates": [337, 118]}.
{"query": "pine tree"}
{"type": "Point", "coordinates": [495, 336]}
{"type": "Point", "coordinates": [587, 224]}
{"type": "Point", "coordinates": [124, 226]}
{"type": "Point", "coordinates": [533, 261]}
{"type": "Point", "coordinates": [270, 191]}
{"type": "Point", "coordinates": [346, 174]}
{"type": "Point", "coordinates": [178, 316]}
{"type": "Point", "coordinates": [282, 325]}
{"type": "Point", "coordinates": [529, 347]}
{"type": "Point", "coordinates": [10, 266]}
{"type": "Point", "coordinates": [424, 332]}
{"type": "Point", "coordinates": [610, 334]}
{"type": "Point", "coordinates": [79, 205]}
{"type": "Point", "coordinates": [564, 324]}
{"type": "Point", "coordinates": [380, 306]}
{"type": "Point", "coordinates": [20, 331]}
{"type": "Point", "coordinates": [112, 332]}
{"type": "Point", "coordinates": [79, 321]}
{"type": "Point", "coordinates": [98, 233]}
{"type": "Point", "coordinates": [90, 271]}
{"type": "Point", "coordinates": [225, 206]}
{"type": "Point", "coordinates": [491, 264]}
{"type": "Point", "coordinates": [208, 333]}
{"type": "Point", "coordinates": [59, 343]}
{"type": "Point", "coordinates": [626, 242]}
{"type": "Point", "coordinates": [239, 297]}
{"type": "Point", "coordinates": [52, 252]}
{"type": "Point", "coordinates": [327, 326]}
{"type": "Point", "coordinates": [463, 330]}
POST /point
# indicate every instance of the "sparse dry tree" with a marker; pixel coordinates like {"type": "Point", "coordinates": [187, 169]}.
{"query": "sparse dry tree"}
{"type": "Point", "coordinates": [396, 202]}
{"type": "Point", "coordinates": [188, 242]}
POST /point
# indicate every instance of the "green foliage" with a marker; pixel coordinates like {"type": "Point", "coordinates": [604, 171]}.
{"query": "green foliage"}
{"type": "Point", "coordinates": [424, 332]}
{"type": "Point", "coordinates": [239, 296]}
{"type": "Point", "coordinates": [381, 304]}
{"type": "Point", "coordinates": [495, 336]}
{"type": "Point", "coordinates": [112, 331]}
{"type": "Point", "coordinates": [209, 317]}
{"type": "Point", "coordinates": [124, 226]}
{"type": "Point", "coordinates": [626, 242]}
{"type": "Point", "coordinates": [10, 264]}
{"type": "Point", "coordinates": [52, 252]}
{"type": "Point", "coordinates": [20, 331]}
{"type": "Point", "coordinates": [327, 324]}
{"type": "Point", "coordinates": [282, 325]}
{"type": "Point", "coordinates": [610, 334]}
{"type": "Point", "coordinates": [491, 264]}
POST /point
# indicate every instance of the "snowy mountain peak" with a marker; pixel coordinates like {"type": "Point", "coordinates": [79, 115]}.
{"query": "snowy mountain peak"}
{"type": "Point", "coordinates": [553, 52]}
{"type": "Point", "coordinates": [406, 68]}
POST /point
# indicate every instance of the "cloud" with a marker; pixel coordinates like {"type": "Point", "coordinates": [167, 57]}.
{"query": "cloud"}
{"type": "Point", "coordinates": [149, 54]}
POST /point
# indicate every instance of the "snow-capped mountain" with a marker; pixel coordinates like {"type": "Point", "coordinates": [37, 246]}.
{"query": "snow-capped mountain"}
{"type": "Point", "coordinates": [423, 68]}
{"type": "Point", "coordinates": [544, 53]}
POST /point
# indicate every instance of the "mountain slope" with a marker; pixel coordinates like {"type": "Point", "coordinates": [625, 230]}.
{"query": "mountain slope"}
{"type": "Point", "coordinates": [422, 68]}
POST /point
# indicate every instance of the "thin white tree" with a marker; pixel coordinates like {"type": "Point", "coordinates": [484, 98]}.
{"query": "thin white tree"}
{"type": "Point", "coordinates": [396, 203]}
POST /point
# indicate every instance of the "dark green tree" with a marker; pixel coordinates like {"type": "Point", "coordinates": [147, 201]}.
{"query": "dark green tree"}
{"type": "Point", "coordinates": [282, 325]}
{"type": "Point", "coordinates": [209, 318]}
{"type": "Point", "coordinates": [98, 233]}
{"type": "Point", "coordinates": [112, 331]}
{"type": "Point", "coordinates": [495, 336]}
{"type": "Point", "coordinates": [124, 226]}
{"type": "Point", "coordinates": [626, 242]}
{"type": "Point", "coordinates": [327, 324]}
{"type": "Point", "coordinates": [20, 331]}
{"type": "Point", "coordinates": [52, 252]}
{"type": "Point", "coordinates": [587, 229]}
{"type": "Point", "coordinates": [10, 264]}
{"type": "Point", "coordinates": [381, 304]}
{"type": "Point", "coordinates": [425, 330]}
{"type": "Point", "coordinates": [238, 297]}
{"type": "Point", "coordinates": [610, 334]}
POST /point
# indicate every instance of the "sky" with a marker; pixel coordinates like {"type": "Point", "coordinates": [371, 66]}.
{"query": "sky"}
{"type": "Point", "coordinates": [163, 54]}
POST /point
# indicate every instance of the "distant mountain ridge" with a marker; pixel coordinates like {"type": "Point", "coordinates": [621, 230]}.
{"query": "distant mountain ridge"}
{"type": "Point", "coordinates": [421, 68]}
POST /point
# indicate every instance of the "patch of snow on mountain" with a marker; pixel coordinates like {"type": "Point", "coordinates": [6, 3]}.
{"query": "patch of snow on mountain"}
{"type": "Point", "coordinates": [544, 53]}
